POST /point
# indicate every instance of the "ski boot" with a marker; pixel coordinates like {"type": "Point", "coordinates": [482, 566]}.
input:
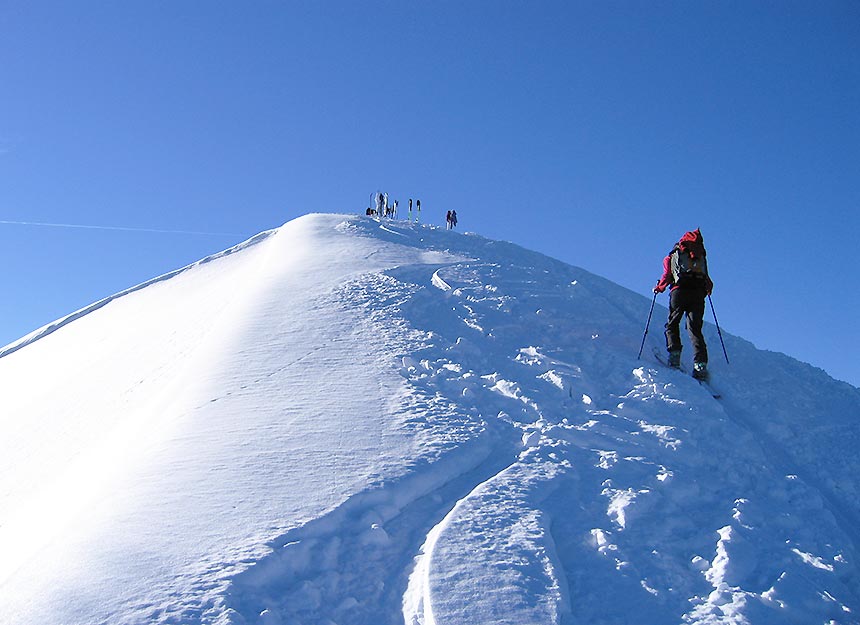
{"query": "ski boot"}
{"type": "Point", "coordinates": [675, 359]}
{"type": "Point", "coordinates": [700, 371]}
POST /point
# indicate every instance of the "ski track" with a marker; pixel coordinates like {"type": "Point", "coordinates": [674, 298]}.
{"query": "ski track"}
{"type": "Point", "coordinates": [592, 473]}
{"type": "Point", "coordinates": [554, 479]}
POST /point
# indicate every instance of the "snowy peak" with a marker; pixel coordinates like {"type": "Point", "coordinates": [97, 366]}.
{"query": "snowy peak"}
{"type": "Point", "coordinates": [354, 421]}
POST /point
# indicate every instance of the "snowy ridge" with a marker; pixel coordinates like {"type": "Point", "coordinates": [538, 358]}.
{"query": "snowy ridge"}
{"type": "Point", "coordinates": [356, 422]}
{"type": "Point", "coordinates": [59, 323]}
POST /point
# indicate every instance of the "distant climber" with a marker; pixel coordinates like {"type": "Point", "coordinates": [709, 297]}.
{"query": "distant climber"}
{"type": "Point", "coordinates": [685, 270]}
{"type": "Point", "coordinates": [451, 219]}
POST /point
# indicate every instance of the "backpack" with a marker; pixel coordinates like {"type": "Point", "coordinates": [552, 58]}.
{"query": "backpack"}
{"type": "Point", "coordinates": [689, 264]}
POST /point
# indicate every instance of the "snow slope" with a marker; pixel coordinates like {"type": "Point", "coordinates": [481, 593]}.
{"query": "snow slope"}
{"type": "Point", "coordinates": [352, 422]}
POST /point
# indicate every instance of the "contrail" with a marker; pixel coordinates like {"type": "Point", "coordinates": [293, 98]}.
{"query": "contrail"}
{"type": "Point", "coordinates": [122, 228]}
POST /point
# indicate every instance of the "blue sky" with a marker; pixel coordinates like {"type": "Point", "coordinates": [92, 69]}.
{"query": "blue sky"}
{"type": "Point", "coordinates": [595, 132]}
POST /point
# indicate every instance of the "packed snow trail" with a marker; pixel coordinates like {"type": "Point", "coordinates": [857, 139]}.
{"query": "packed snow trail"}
{"type": "Point", "coordinates": [166, 437]}
{"type": "Point", "coordinates": [604, 410]}
{"type": "Point", "coordinates": [353, 422]}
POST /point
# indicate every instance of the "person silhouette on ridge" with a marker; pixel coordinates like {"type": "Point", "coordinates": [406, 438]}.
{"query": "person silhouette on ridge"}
{"type": "Point", "coordinates": [685, 272]}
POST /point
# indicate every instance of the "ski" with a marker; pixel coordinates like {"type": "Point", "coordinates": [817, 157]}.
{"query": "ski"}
{"type": "Point", "coordinates": [705, 382]}
{"type": "Point", "coordinates": [709, 388]}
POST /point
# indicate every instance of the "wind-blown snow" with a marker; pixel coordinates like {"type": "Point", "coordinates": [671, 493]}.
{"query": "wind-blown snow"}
{"type": "Point", "coordinates": [347, 422]}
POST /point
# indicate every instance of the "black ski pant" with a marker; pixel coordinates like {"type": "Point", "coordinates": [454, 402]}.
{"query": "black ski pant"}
{"type": "Point", "coordinates": [689, 302]}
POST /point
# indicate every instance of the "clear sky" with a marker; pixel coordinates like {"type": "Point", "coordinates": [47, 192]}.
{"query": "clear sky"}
{"type": "Point", "coordinates": [595, 132]}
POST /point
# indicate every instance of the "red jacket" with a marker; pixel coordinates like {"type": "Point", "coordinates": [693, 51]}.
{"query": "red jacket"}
{"type": "Point", "coordinates": [667, 280]}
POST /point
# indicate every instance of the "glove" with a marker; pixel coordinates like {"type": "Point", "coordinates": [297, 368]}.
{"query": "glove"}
{"type": "Point", "coordinates": [659, 289]}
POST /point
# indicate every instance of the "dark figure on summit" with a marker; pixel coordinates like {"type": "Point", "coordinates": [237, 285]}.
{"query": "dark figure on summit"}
{"type": "Point", "coordinates": [685, 270]}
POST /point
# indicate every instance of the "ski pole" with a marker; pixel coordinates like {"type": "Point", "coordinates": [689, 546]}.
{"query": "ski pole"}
{"type": "Point", "coordinates": [717, 323]}
{"type": "Point", "coordinates": [648, 323]}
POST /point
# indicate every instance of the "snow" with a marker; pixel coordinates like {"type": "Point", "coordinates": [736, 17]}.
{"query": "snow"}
{"type": "Point", "coordinates": [343, 421]}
